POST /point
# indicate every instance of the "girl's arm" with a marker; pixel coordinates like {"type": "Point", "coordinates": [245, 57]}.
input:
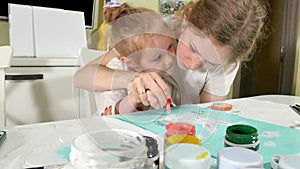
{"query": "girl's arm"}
{"type": "Point", "coordinates": [127, 105]}
{"type": "Point", "coordinates": [131, 103]}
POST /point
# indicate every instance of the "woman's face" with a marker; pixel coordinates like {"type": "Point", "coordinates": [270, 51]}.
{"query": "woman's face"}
{"type": "Point", "coordinates": [197, 51]}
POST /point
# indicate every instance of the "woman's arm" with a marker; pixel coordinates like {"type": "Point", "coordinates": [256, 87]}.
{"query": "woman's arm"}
{"type": "Point", "coordinates": [96, 77]}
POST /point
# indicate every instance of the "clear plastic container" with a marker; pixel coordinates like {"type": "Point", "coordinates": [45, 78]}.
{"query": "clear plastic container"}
{"type": "Point", "coordinates": [109, 149]}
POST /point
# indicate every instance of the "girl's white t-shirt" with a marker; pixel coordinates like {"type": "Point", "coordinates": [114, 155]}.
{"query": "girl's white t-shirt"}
{"type": "Point", "coordinates": [110, 98]}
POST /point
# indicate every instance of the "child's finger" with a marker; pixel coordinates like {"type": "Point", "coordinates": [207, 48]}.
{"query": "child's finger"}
{"type": "Point", "coordinates": [107, 111]}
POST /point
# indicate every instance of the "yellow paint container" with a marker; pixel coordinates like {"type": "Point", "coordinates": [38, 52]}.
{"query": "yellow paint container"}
{"type": "Point", "coordinates": [182, 138]}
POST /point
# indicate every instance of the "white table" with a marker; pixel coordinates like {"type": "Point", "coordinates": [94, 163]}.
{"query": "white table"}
{"type": "Point", "coordinates": [268, 108]}
{"type": "Point", "coordinates": [34, 144]}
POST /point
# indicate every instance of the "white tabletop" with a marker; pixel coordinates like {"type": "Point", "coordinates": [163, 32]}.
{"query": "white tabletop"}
{"type": "Point", "coordinates": [35, 144]}
{"type": "Point", "coordinates": [273, 109]}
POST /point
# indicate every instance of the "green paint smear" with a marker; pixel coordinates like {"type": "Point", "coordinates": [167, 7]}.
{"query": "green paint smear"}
{"type": "Point", "coordinates": [64, 152]}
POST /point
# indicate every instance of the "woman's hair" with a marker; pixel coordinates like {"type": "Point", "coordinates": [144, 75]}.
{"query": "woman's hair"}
{"type": "Point", "coordinates": [184, 10]}
{"type": "Point", "coordinates": [240, 24]}
{"type": "Point", "coordinates": [134, 29]}
{"type": "Point", "coordinates": [179, 19]}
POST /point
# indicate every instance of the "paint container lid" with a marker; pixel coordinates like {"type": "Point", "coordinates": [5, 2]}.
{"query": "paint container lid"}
{"type": "Point", "coordinates": [180, 128]}
{"type": "Point", "coordinates": [289, 162]}
{"type": "Point", "coordinates": [221, 106]}
{"type": "Point", "coordinates": [241, 134]}
{"type": "Point", "coordinates": [191, 156]}
{"type": "Point", "coordinates": [237, 157]}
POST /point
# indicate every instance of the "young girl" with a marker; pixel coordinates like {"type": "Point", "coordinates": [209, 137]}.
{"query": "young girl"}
{"type": "Point", "coordinates": [141, 42]}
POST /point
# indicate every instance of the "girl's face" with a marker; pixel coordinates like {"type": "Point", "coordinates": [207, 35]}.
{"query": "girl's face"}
{"type": "Point", "coordinates": [196, 51]}
{"type": "Point", "coordinates": [157, 57]}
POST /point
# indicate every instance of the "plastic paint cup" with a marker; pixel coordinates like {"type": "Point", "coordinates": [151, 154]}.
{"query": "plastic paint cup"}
{"type": "Point", "coordinates": [180, 128]}
{"type": "Point", "coordinates": [186, 156]}
{"type": "Point", "coordinates": [112, 148]}
{"type": "Point", "coordinates": [182, 138]}
{"type": "Point", "coordinates": [221, 106]}
{"type": "Point", "coordinates": [152, 152]}
{"type": "Point", "coordinates": [237, 157]}
{"type": "Point", "coordinates": [241, 135]}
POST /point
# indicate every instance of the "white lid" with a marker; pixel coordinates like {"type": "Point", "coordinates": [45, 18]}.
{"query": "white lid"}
{"type": "Point", "coordinates": [289, 162]}
{"type": "Point", "coordinates": [237, 157]}
{"type": "Point", "coordinates": [184, 155]}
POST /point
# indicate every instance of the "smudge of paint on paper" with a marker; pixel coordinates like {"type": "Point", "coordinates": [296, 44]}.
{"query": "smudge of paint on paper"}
{"type": "Point", "coordinates": [64, 152]}
{"type": "Point", "coordinates": [270, 134]}
{"type": "Point", "coordinates": [270, 144]}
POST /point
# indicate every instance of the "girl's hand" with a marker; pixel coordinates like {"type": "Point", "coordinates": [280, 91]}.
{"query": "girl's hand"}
{"type": "Point", "coordinates": [150, 89]}
{"type": "Point", "coordinates": [107, 111]}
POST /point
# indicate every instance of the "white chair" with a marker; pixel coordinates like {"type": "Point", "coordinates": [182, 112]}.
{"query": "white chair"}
{"type": "Point", "coordinates": [5, 58]}
{"type": "Point", "coordinates": [89, 98]}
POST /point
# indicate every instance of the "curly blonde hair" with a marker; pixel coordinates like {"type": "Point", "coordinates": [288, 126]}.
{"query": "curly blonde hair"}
{"type": "Point", "coordinates": [240, 24]}
{"type": "Point", "coordinates": [135, 28]}
{"type": "Point", "coordinates": [111, 13]}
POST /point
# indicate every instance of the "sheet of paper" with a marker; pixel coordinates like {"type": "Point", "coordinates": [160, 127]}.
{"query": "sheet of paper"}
{"type": "Point", "coordinates": [58, 32]}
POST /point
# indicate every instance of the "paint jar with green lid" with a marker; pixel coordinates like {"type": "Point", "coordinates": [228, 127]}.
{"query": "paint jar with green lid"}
{"type": "Point", "coordinates": [241, 135]}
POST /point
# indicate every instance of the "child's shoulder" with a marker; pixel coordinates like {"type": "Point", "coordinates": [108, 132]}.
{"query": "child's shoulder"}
{"type": "Point", "coordinates": [116, 63]}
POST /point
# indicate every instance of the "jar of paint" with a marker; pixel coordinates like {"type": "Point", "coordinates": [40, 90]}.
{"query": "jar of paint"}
{"type": "Point", "coordinates": [111, 148]}
{"type": "Point", "coordinates": [152, 151]}
{"type": "Point", "coordinates": [180, 132]}
{"type": "Point", "coordinates": [241, 135]}
{"type": "Point", "coordinates": [180, 128]}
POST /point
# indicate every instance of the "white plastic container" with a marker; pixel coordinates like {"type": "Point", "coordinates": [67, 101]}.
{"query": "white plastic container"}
{"type": "Point", "coordinates": [109, 149]}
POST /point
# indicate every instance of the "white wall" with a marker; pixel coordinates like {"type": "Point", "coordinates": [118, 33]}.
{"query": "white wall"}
{"type": "Point", "coordinates": [151, 4]}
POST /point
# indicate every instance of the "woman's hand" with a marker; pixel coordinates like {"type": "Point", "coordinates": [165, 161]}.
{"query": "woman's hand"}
{"type": "Point", "coordinates": [150, 89]}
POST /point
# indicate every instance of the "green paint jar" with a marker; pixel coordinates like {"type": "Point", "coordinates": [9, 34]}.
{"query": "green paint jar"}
{"type": "Point", "coordinates": [241, 135]}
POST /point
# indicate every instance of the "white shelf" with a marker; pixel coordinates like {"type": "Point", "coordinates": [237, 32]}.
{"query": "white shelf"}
{"type": "Point", "coordinates": [27, 62]}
